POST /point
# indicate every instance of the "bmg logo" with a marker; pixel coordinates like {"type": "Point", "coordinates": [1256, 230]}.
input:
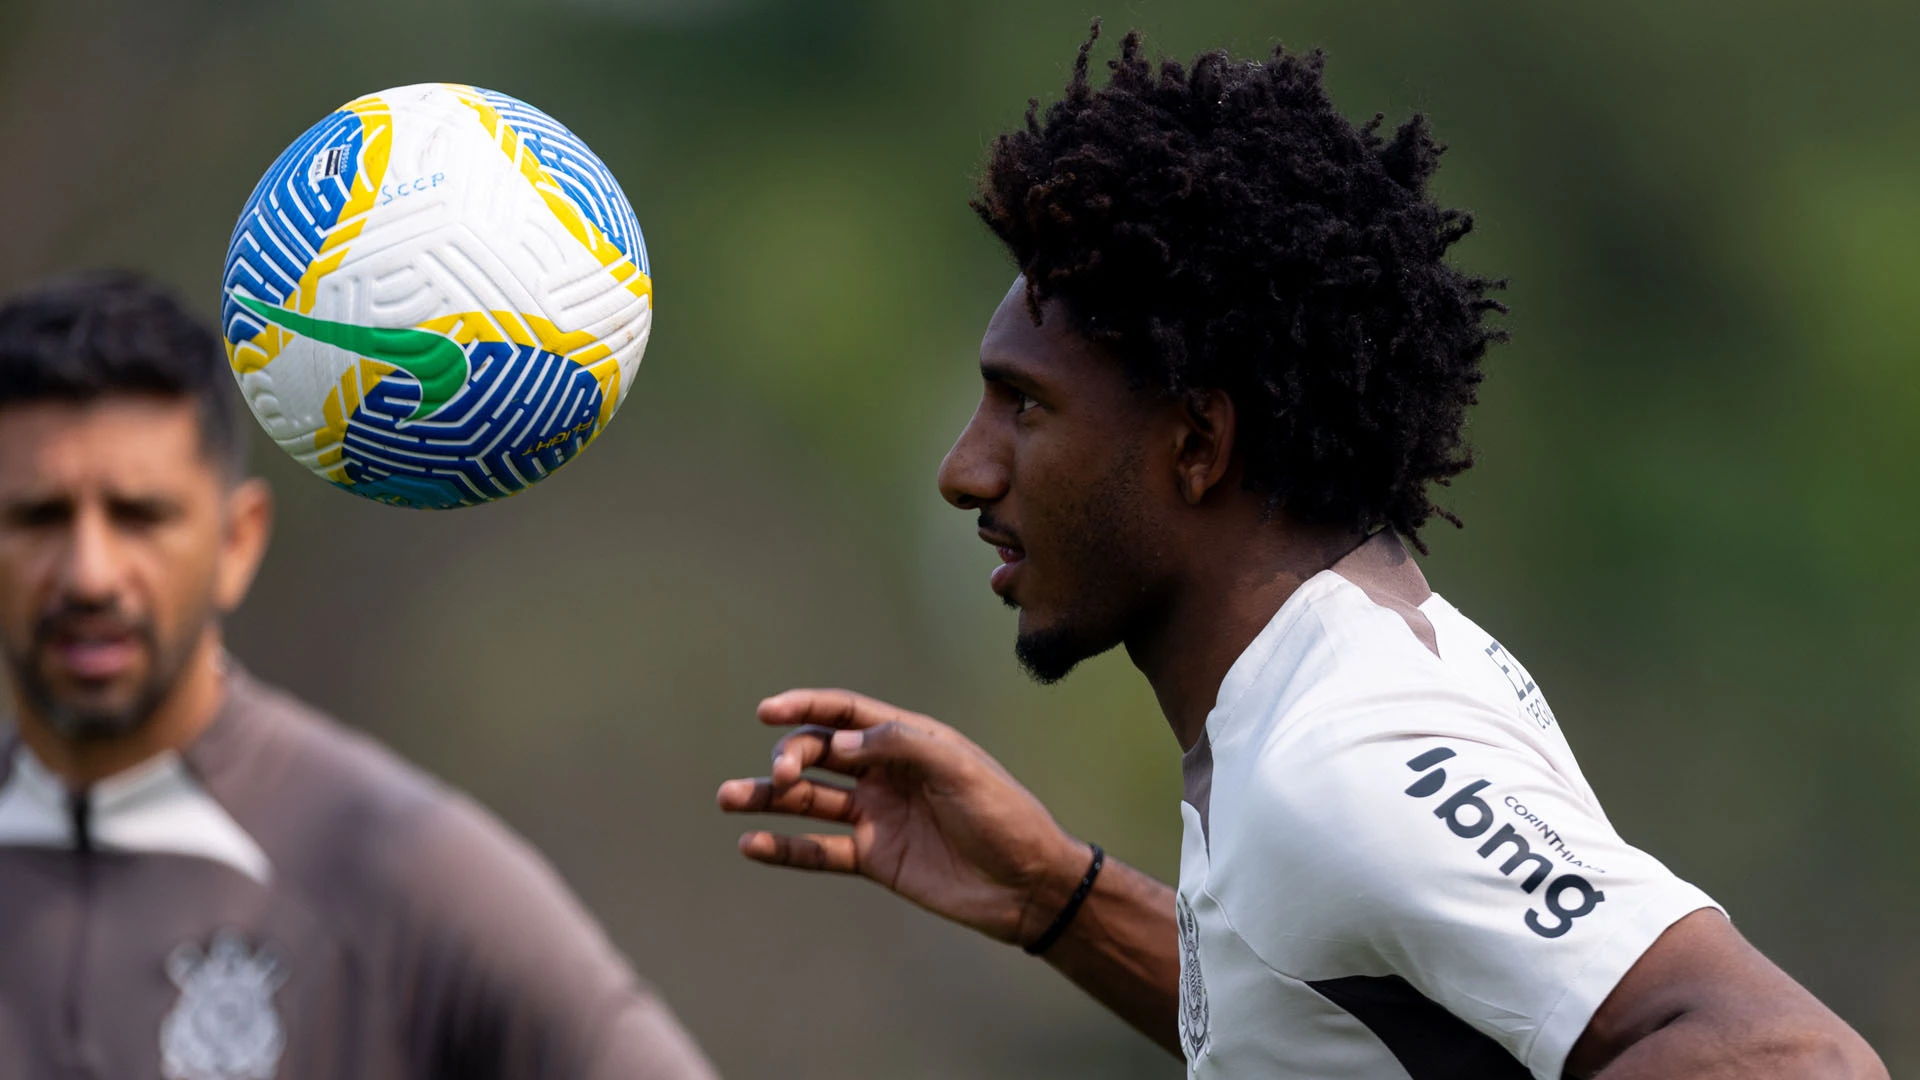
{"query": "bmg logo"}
{"type": "Point", "coordinates": [1567, 897]}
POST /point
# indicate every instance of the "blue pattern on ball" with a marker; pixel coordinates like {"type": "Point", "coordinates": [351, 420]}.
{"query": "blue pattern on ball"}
{"type": "Point", "coordinates": [583, 176]}
{"type": "Point", "coordinates": [522, 414]}
{"type": "Point", "coordinates": [286, 219]}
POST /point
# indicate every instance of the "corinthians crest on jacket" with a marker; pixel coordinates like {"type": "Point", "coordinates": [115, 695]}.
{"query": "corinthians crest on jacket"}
{"type": "Point", "coordinates": [224, 1026]}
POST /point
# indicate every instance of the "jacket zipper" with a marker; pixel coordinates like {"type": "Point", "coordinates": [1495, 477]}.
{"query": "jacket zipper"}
{"type": "Point", "coordinates": [80, 813]}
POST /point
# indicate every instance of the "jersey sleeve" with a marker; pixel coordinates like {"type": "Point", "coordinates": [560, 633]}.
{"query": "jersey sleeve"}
{"type": "Point", "coordinates": [510, 978]}
{"type": "Point", "coordinates": [1470, 868]}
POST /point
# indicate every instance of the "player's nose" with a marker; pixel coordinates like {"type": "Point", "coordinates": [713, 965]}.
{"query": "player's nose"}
{"type": "Point", "coordinates": [91, 566]}
{"type": "Point", "coordinates": [974, 473]}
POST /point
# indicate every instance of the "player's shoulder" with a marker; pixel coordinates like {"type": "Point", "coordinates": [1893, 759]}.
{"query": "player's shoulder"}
{"type": "Point", "coordinates": [1335, 665]}
{"type": "Point", "coordinates": [1359, 676]}
{"type": "Point", "coordinates": [1393, 785]}
{"type": "Point", "coordinates": [271, 757]}
{"type": "Point", "coordinates": [1338, 746]}
{"type": "Point", "coordinates": [336, 810]}
{"type": "Point", "coordinates": [431, 886]}
{"type": "Point", "coordinates": [1381, 824]}
{"type": "Point", "coordinates": [1367, 645]}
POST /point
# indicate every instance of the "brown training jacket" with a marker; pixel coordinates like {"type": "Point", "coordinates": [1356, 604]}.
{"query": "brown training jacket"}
{"type": "Point", "coordinates": [287, 900]}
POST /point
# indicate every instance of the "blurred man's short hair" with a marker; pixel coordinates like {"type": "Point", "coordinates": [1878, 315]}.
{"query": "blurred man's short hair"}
{"type": "Point", "coordinates": [116, 333]}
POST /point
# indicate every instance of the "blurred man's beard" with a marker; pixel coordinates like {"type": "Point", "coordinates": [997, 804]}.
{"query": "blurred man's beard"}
{"type": "Point", "coordinates": [78, 721]}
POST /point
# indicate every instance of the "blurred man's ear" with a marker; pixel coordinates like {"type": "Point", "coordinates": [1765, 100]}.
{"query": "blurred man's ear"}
{"type": "Point", "coordinates": [243, 541]}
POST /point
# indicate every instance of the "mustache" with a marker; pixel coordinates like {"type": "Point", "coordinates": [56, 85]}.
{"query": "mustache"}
{"type": "Point", "coordinates": [82, 619]}
{"type": "Point", "coordinates": [988, 523]}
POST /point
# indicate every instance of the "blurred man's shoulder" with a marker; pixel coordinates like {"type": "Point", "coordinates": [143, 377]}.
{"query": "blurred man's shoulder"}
{"type": "Point", "coordinates": [338, 812]}
{"type": "Point", "coordinates": [277, 758]}
{"type": "Point", "coordinates": [418, 881]}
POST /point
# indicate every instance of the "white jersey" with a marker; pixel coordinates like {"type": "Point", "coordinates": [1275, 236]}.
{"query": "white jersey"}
{"type": "Point", "coordinates": [1392, 866]}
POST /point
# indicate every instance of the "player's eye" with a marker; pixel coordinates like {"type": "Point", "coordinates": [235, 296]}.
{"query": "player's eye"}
{"type": "Point", "coordinates": [1023, 402]}
{"type": "Point", "coordinates": [142, 514]}
{"type": "Point", "coordinates": [39, 513]}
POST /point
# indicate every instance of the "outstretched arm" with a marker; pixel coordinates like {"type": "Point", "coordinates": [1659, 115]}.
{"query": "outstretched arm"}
{"type": "Point", "coordinates": [937, 820]}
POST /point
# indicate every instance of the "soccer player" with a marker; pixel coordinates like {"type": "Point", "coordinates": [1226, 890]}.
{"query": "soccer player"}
{"type": "Point", "coordinates": [200, 877]}
{"type": "Point", "coordinates": [1216, 398]}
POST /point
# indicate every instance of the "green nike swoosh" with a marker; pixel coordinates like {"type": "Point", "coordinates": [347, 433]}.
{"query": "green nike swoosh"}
{"type": "Point", "coordinates": [435, 362]}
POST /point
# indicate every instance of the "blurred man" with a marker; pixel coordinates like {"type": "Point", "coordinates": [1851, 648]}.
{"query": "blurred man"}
{"type": "Point", "coordinates": [200, 877]}
{"type": "Point", "coordinates": [1233, 364]}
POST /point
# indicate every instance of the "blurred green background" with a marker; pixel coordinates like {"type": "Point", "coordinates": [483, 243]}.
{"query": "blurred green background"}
{"type": "Point", "coordinates": [1696, 485]}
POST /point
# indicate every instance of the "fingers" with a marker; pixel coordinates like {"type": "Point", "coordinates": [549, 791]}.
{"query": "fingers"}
{"type": "Point", "coordinates": [845, 732]}
{"type": "Point", "coordinates": [809, 747]}
{"type": "Point", "coordinates": [804, 798]}
{"type": "Point", "coordinates": [829, 854]}
{"type": "Point", "coordinates": [886, 743]}
{"type": "Point", "coordinates": [808, 798]}
{"type": "Point", "coordinates": [830, 708]}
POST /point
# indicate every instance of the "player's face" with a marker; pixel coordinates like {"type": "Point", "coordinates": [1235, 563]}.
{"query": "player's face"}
{"type": "Point", "coordinates": [114, 556]}
{"type": "Point", "coordinates": [1056, 461]}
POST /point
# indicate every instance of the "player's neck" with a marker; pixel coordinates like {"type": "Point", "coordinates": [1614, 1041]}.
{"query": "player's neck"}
{"type": "Point", "coordinates": [1224, 601]}
{"type": "Point", "coordinates": [179, 718]}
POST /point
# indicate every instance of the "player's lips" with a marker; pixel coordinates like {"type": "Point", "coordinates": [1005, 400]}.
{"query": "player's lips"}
{"type": "Point", "coordinates": [97, 659]}
{"type": "Point", "coordinates": [1012, 557]}
{"type": "Point", "coordinates": [94, 650]}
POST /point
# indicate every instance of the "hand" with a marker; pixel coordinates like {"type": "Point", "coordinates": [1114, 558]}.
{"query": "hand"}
{"type": "Point", "coordinates": [935, 818]}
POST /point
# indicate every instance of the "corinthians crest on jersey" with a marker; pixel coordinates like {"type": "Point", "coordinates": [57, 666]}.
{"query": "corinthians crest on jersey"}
{"type": "Point", "coordinates": [1193, 987]}
{"type": "Point", "coordinates": [224, 1026]}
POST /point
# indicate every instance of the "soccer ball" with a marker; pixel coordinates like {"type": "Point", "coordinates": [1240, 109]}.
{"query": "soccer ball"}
{"type": "Point", "coordinates": [436, 296]}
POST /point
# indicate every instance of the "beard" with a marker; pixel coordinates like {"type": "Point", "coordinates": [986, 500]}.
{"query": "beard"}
{"type": "Point", "coordinates": [78, 720]}
{"type": "Point", "coordinates": [1108, 553]}
{"type": "Point", "coordinates": [1049, 655]}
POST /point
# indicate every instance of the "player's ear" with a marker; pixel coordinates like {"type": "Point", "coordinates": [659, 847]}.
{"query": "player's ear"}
{"type": "Point", "coordinates": [243, 541]}
{"type": "Point", "coordinates": [1206, 442]}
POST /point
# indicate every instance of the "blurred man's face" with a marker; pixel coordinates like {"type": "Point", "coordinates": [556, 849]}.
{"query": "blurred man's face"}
{"type": "Point", "coordinates": [112, 542]}
{"type": "Point", "coordinates": [1058, 459]}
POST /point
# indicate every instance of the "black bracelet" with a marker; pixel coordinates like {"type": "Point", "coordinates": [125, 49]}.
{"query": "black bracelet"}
{"type": "Point", "coordinates": [1045, 941]}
